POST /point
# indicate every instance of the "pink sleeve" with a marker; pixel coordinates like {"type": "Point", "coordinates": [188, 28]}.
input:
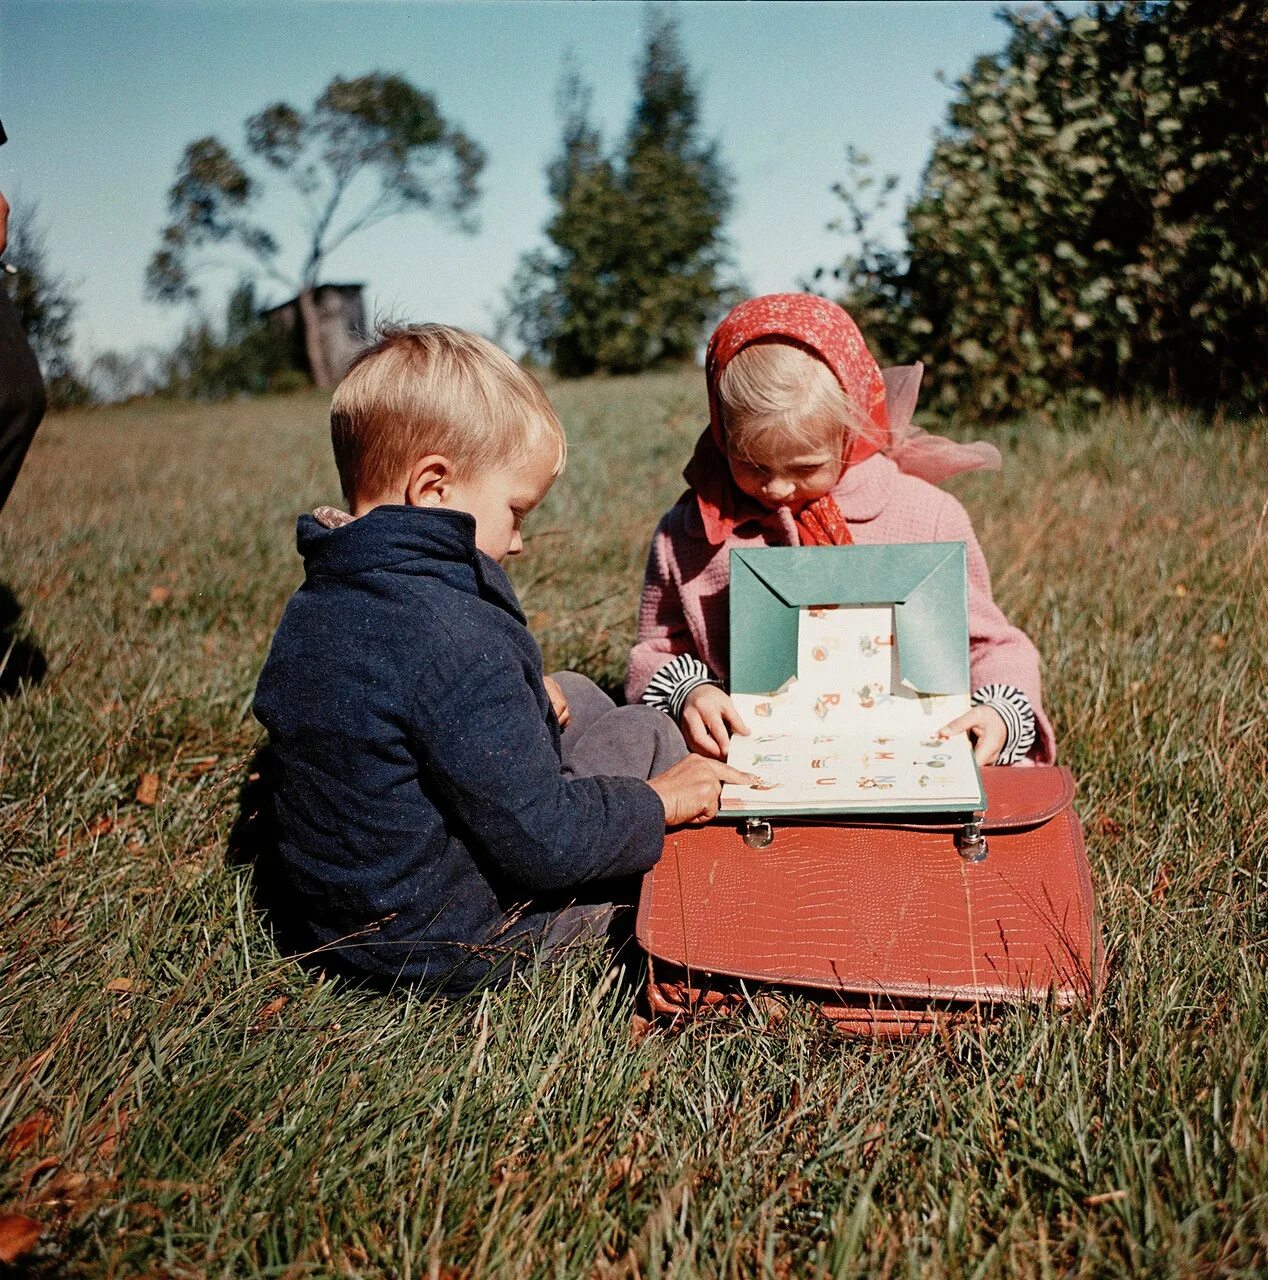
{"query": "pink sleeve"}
{"type": "Point", "coordinates": [662, 625]}
{"type": "Point", "coordinates": [999, 653]}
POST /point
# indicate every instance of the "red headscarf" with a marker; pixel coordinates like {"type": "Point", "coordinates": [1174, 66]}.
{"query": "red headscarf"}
{"type": "Point", "coordinates": [824, 330]}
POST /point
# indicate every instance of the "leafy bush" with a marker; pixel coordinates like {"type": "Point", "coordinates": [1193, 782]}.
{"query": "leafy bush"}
{"type": "Point", "coordinates": [1094, 218]}
{"type": "Point", "coordinates": [246, 357]}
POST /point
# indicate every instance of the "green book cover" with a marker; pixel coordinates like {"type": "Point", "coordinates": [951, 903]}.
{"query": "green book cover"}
{"type": "Point", "coordinates": [845, 663]}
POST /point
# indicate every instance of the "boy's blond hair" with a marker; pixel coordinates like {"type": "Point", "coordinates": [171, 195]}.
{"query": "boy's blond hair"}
{"type": "Point", "coordinates": [774, 385]}
{"type": "Point", "coordinates": [431, 388]}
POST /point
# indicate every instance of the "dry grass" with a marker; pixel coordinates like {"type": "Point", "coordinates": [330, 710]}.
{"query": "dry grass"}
{"type": "Point", "coordinates": [179, 1101]}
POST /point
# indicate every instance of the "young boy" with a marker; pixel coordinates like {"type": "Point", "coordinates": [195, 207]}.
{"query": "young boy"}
{"type": "Point", "coordinates": [437, 800]}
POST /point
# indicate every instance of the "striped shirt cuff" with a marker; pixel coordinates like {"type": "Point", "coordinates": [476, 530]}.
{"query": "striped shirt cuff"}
{"type": "Point", "coordinates": [667, 690]}
{"type": "Point", "coordinates": [1018, 716]}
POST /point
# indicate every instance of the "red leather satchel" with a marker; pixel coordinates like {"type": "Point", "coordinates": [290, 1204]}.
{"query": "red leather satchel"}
{"type": "Point", "coordinates": [888, 927]}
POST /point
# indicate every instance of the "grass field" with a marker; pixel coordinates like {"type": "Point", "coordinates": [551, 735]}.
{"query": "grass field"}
{"type": "Point", "coordinates": [177, 1100]}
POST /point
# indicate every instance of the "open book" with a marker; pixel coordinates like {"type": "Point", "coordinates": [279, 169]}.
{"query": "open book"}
{"type": "Point", "coordinates": [846, 732]}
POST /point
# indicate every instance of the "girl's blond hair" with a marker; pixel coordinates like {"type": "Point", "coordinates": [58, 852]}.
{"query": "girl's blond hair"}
{"type": "Point", "coordinates": [431, 388]}
{"type": "Point", "coordinates": [774, 385]}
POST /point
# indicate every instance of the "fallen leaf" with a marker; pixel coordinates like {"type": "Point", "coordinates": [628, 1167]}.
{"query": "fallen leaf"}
{"type": "Point", "coordinates": [122, 985]}
{"type": "Point", "coordinates": [102, 827]}
{"type": "Point", "coordinates": [62, 927]}
{"type": "Point", "coordinates": [114, 1135]}
{"type": "Point", "coordinates": [41, 1167]}
{"type": "Point", "coordinates": [69, 1186]}
{"type": "Point", "coordinates": [160, 595]}
{"type": "Point", "coordinates": [1108, 827]}
{"type": "Point", "coordinates": [28, 1133]}
{"type": "Point", "coordinates": [270, 1011]}
{"type": "Point", "coordinates": [147, 789]}
{"type": "Point", "coordinates": [199, 767]}
{"type": "Point", "coordinates": [1218, 641]}
{"type": "Point", "coordinates": [1181, 590]}
{"type": "Point", "coordinates": [1162, 878]}
{"type": "Point", "coordinates": [872, 1136]}
{"type": "Point", "coordinates": [639, 1027]}
{"type": "Point", "coordinates": [623, 1171]}
{"type": "Point", "coordinates": [18, 1236]}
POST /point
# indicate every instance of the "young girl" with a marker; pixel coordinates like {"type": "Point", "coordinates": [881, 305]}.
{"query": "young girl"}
{"type": "Point", "coordinates": [810, 445]}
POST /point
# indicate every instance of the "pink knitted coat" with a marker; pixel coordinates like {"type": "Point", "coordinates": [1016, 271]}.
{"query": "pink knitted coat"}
{"type": "Point", "coordinates": [684, 603]}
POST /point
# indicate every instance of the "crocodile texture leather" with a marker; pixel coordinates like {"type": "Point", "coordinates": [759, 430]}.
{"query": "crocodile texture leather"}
{"type": "Point", "coordinates": [886, 926]}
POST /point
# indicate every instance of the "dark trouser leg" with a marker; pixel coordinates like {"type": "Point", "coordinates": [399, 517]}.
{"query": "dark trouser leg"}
{"type": "Point", "coordinates": [21, 395]}
{"type": "Point", "coordinates": [604, 740]}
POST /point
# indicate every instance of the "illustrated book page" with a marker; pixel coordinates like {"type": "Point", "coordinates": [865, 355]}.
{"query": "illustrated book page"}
{"type": "Point", "coordinates": [847, 733]}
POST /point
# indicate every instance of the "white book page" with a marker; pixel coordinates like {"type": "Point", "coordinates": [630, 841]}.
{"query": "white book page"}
{"type": "Point", "coordinates": [847, 733]}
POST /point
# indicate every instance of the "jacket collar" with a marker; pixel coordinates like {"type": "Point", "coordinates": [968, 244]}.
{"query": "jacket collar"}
{"type": "Point", "coordinates": [410, 541]}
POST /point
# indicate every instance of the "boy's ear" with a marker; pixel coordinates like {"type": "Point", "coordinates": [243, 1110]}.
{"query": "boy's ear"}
{"type": "Point", "coordinates": [428, 481]}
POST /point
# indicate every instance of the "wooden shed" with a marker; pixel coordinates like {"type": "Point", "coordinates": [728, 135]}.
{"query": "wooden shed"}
{"type": "Point", "coordinates": [341, 330]}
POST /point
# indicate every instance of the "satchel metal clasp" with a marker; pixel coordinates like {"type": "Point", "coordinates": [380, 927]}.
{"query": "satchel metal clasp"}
{"type": "Point", "coordinates": [970, 841]}
{"type": "Point", "coordinates": [757, 833]}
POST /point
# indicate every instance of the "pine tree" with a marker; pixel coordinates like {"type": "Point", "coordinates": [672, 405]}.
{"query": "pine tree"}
{"type": "Point", "coordinates": [637, 258]}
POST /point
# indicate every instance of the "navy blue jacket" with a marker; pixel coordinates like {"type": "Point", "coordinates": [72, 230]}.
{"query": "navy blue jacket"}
{"type": "Point", "coordinates": [419, 796]}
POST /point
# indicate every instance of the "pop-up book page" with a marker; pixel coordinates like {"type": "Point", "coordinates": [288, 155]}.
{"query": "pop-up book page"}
{"type": "Point", "coordinates": [847, 733]}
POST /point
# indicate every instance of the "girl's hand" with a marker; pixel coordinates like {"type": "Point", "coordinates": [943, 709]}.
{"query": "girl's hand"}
{"type": "Point", "coordinates": [709, 718]}
{"type": "Point", "coordinates": [986, 729]}
{"type": "Point", "coordinates": [557, 700]}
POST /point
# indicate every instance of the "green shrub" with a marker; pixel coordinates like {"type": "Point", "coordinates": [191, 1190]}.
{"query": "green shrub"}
{"type": "Point", "coordinates": [246, 356]}
{"type": "Point", "coordinates": [1094, 218]}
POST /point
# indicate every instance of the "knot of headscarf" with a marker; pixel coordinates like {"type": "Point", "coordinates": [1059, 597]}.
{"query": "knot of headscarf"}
{"type": "Point", "coordinates": [883, 402]}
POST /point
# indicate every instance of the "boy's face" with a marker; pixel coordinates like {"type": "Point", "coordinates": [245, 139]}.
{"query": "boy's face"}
{"type": "Point", "coordinates": [499, 500]}
{"type": "Point", "coordinates": [777, 476]}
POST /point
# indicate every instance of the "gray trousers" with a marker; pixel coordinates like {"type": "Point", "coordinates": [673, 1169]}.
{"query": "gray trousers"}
{"type": "Point", "coordinates": [604, 740]}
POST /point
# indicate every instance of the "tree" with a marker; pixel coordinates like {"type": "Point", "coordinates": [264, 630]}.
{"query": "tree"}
{"type": "Point", "coordinates": [1094, 218]}
{"type": "Point", "coordinates": [869, 275]}
{"type": "Point", "coordinates": [635, 267]}
{"type": "Point", "coordinates": [369, 149]}
{"type": "Point", "coordinates": [45, 307]}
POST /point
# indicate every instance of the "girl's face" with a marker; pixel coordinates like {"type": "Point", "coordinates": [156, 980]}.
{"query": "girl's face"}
{"type": "Point", "coordinates": [779, 476]}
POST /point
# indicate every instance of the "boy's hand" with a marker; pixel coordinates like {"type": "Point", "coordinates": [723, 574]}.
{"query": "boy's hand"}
{"type": "Point", "coordinates": [557, 701]}
{"type": "Point", "coordinates": [709, 718]}
{"type": "Point", "coordinates": [986, 729]}
{"type": "Point", "coordinates": [692, 789]}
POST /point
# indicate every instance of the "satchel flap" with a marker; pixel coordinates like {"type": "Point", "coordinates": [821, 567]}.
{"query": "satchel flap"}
{"type": "Point", "coordinates": [1017, 796]}
{"type": "Point", "coordinates": [1025, 796]}
{"type": "Point", "coordinates": [888, 910]}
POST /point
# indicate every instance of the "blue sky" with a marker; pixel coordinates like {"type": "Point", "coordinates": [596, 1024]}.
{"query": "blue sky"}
{"type": "Point", "coordinates": [99, 100]}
